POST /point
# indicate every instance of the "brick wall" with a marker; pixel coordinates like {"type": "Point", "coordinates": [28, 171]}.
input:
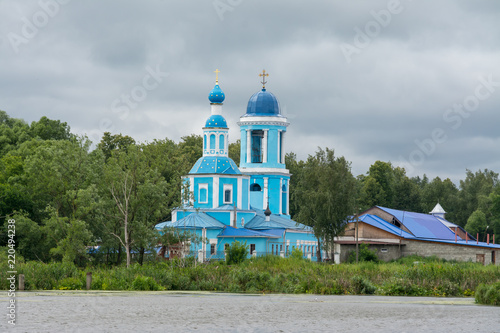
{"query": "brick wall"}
{"type": "Point", "coordinates": [449, 251]}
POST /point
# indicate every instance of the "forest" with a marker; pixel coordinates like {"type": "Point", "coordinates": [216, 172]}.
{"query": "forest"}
{"type": "Point", "coordinates": [67, 195]}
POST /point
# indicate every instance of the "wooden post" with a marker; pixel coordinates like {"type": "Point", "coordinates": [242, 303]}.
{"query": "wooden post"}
{"type": "Point", "coordinates": [21, 281]}
{"type": "Point", "coordinates": [493, 238]}
{"type": "Point", "coordinates": [466, 237]}
{"type": "Point", "coordinates": [488, 239]}
{"type": "Point", "coordinates": [477, 238]}
{"type": "Point", "coordinates": [89, 280]}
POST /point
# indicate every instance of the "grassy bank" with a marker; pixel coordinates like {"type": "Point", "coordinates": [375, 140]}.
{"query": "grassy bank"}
{"type": "Point", "coordinates": [271, 274]}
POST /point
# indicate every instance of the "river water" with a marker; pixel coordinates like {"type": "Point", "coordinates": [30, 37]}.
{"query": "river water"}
{"type": "Point", "coordinates": [97, 311]}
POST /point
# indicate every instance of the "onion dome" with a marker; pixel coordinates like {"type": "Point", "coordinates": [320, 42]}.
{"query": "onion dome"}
{"type": "Point", "coordinates": [216, 121]}
{"type": "Point", "coordinates": [267, 212]}
{"type": "Point", "coordinates": [216, 95]}
{"type": "Point", "coordinates": [263, 103]}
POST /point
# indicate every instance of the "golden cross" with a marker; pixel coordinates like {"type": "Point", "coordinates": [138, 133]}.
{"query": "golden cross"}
{"type": "Point", "coordinates": [263, 75]}
{"type": "Point", "coordinates": [217, 75]}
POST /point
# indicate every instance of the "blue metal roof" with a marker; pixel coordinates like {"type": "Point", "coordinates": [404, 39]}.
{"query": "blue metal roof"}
{"type": "Point", "coordinates": [193, 221]}
{"type": "Point", "coordinates": [216, 95]}
{"type": "Point", "coordinates": [216, 121]}
{"type": "Point", "coordinates": [263, 103]}
{"type": "Point", "coordinates": [276, 222]}
{"type": "Point", "coordinates": [422, 225]}
{"type": "Point", "coordinates": [384, 225]}
{"type": "Point", "coordinates": [243, 232]}
{"type": "Point", "coordinates": [213, 164]}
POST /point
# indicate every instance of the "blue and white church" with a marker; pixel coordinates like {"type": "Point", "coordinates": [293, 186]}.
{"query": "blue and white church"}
{"type": "Point", "coordinates": [247, 204]}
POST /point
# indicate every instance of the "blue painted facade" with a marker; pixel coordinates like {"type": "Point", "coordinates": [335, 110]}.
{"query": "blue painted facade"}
{"type": "Point", "coordinates": [227, 203]}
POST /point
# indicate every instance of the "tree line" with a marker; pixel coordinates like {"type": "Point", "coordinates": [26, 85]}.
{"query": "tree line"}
{"type": "Point", "coordinates": [66, 196]}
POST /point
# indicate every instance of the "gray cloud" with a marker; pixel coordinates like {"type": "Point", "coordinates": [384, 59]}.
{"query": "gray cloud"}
{"type": "Point", "coordinates": [395, 90]}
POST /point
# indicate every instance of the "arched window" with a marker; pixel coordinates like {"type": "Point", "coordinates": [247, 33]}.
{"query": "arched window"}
{"type": "Point", "coordinates": [221, 141]}
{"type": "Point", "coordinates": [255, 187]}
{"type": "Point", "coordinates": [205, 141]}
{"type": "Point", "coordinates": [212, 141]}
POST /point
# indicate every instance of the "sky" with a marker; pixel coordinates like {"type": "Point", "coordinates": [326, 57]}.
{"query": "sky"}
{"type": "Point", "coordinates": [414, 83]}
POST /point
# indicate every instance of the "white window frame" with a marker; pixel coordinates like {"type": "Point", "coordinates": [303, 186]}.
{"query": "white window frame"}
{"type": "Point", "coordinates": [230, 188]}
{"type": "Point", "coordinates": [200, 187]}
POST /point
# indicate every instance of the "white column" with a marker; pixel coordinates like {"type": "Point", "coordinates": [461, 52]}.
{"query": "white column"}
{"type": "Point", "coordinates": [264, 146]}
{"type": "Point", "coordinates": [249, 146]}
{"type": "Point", "coordinates": [191, 190]}
{"type": "Point", "coordinates": [215, 192]}
{"type": "Point", "coordinates": [287, 198]}
{"type": "Point", "coordinates": [217, 143]}
{"type": "Point", "coordinates": [282, 145]}
{"type": "Point", "coordinates": [281, 195]}
{"type": "Point", "coordinates": [264, 199]}
{"type": "Point", "coordinates": [239, 192]}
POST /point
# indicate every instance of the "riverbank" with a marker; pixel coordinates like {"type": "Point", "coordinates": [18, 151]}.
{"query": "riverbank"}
{"type": "Point", "coordinates": [132, 311]}
{"type": "Point", "coordinates": [270, 274]}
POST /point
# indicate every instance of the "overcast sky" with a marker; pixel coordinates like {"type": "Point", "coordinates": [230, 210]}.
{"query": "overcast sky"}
{"type": "Point", "coordinates": [416, 83]}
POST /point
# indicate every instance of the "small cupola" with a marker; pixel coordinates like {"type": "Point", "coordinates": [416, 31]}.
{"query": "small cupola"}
{"type": "Point", "coordinates": [438, 211]}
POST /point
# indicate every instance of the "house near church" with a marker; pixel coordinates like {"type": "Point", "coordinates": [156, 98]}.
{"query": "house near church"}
{"type": "Point", "coordinates": [247, 204]}
{"type": "Point", "coordinates": [394, 234]}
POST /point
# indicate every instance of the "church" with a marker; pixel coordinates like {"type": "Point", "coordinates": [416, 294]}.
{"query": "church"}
{"type": "Point", "coordinates": [248, 204]}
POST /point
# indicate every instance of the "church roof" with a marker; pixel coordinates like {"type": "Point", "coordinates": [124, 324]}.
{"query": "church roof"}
{"type": "Point", "coordinates": [263, 103]}
{"type": "Point", "coordinates": [216, 121]}
{"type": "Point", "coordinates": [216, 95]}
{"type": "Point", "coordinates": [195, 220]}
{"type": "Point", "coordinates": [243, 232]}
{"type": "Point", "coordinates": [215, 165]}
{"type": "Point", "coordinates": [276, 222]}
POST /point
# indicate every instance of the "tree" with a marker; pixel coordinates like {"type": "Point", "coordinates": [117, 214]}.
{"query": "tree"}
{"type": "Point", "coordinates": [191, 147]}
{"type": "Point", "coordinates": [406, 192]}
{"type": "Point", "coordinates": [295, 167]}
{"type": "Point", "coordinates": [476, 185]}
{"type": "Point", "coordinates": [477, 224]}
{"type": "Point", "coordinates": [234, 151]}
{"type": "Point", "coordinates": [110, 143]}
{"type": "Point", "coordinates": [135, 198]}
{"type": "Point", "coordinates": [326, 192]}
{"type": "Point", "coordinates": [47, 129]}
{"type": "Point", "coordinates": [443, 192]}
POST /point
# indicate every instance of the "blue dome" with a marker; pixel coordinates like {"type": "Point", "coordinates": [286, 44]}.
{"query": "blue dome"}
{"type": "Point", "coordinates": [216, 95]}
{"type": "Point", "coordinates": [263, 103]}
{"type": "Point", "coordinates": [217, 121]}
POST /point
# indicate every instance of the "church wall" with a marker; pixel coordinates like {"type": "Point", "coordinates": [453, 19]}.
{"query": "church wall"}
{"type": "Point", "coordinates": [245, 202]}
{"type": "Point", "coordinates": [203, 180]}
{"type": "Point", "coordinates": [234, 195]}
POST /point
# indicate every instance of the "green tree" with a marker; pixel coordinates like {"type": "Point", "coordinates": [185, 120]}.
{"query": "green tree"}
{"type": "Point", "coordinates": [135, 198]}
{"type": "Point", "coordinates": [443, 192]}
{"type": "Point", "coordinates": [326, 192]}
{"type": "Point", "coordinates": [472, 189]}
{"type": "Point", "coordinates": [234, 151]}
{"type": "Point", "coordinates": [477, 224]}
{"type": "Point", "coordinates": [47, 129]}
{"type": "Point", "coordinates": [110, 143]}
{"type": "Point", "coordinates": [191, 147]}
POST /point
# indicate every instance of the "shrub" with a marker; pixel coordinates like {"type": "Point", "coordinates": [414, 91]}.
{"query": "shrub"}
{"type": "Point", "coordinates": [488, 294]}
{"type": "Point", "coordinates": [236, 253]}
{"type": "Point", "coordinates": [361, 285]}
{"type": "Point", "coordinates": [145, 283]}
{"type": "Point", "coordinates": [297, 254]}
{"type": "Point", "coordinates": [364, 254]}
